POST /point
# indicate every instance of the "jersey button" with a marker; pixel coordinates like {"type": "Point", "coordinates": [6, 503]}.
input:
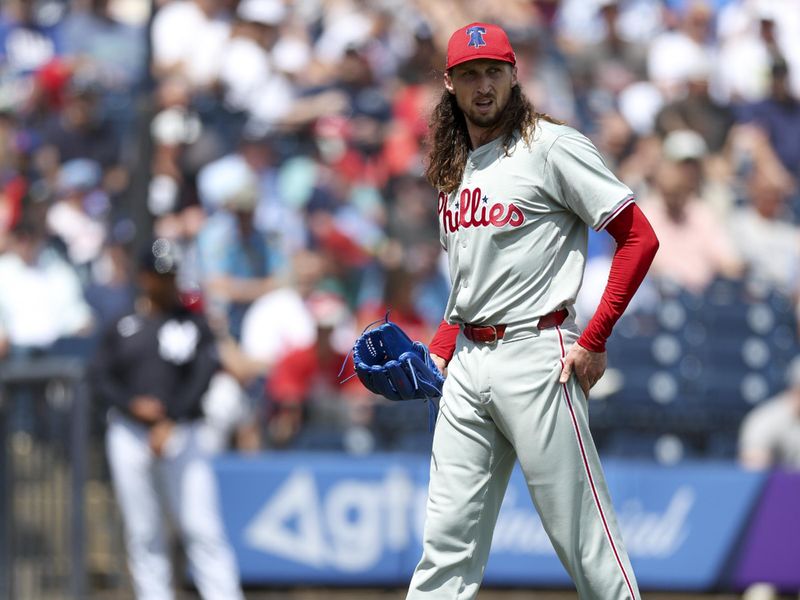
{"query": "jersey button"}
{"type": "Point", "coordinates": [463, 243]}
{"type": "Point", "coordinates": [464, 284]}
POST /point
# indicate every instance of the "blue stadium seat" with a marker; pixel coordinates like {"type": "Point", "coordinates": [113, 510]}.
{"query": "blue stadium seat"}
{"type": "Point", "coordinates": [82, 347]}
{"type": "Point", "coordinates": [664, 448]}
{"type": "Point", "coordinates": [416, 441]}
{"type": "Point", "coordinates": [319, 437]}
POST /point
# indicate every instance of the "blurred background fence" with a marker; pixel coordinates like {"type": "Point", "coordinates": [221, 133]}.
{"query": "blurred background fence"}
{"type": "Point", "coordinates": [44, 441]}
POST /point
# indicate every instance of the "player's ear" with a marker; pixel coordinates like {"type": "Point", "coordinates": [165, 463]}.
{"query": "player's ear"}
{"type": "Point", "coordinates": [514, 79]}
{"type": "Point", "coordinates": [448, 82]}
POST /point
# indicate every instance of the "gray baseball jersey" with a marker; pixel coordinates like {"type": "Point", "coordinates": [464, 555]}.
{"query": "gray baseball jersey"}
{"type": "Point", "coordinates": [515, 231]}
{"type": "Point", "coordinates": [516, 236]}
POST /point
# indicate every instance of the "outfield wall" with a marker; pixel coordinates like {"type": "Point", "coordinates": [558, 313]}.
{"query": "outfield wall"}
{"type": "Point", "coordinates": [340, 520]}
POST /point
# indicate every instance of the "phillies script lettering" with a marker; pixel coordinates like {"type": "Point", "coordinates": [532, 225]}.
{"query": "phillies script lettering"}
{"type": "Point", "coordinates": [473, 210]}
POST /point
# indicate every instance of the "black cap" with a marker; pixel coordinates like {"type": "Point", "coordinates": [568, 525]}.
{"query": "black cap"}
{"type": "Point", "coordinates": [160, 256]}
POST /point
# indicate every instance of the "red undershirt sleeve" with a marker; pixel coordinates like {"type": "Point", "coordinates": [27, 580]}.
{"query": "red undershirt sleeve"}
{"type": "Point", "coordinates": [636, 247]}
{"type": "Point", "coordinates": [443, 343]}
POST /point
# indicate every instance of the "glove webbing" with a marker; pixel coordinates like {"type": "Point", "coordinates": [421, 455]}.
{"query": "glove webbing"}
{"type": "Point", "coordinates": [433, 409]}
{"type": "Point", "coordinates": [346, 358]}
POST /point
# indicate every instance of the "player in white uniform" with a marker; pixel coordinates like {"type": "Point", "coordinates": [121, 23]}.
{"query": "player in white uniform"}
{"type": "Point", "coordinates": [517, 192]}
{"type": "Point", "coordinates": [153, 368]}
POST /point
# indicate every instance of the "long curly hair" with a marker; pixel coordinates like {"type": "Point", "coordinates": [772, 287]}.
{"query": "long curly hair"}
{"type": "Point", "coordinates": [449, 143]}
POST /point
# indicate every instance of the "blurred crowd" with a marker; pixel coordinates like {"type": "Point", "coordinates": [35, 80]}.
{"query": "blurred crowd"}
{"type": "Point", "coordinates": [280, 145]}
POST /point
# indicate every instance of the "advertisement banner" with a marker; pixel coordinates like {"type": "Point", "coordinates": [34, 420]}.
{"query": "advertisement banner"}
{"type": "Point", "coordinates": [334, 519]}
{"type": "Point", "coordinates": [771, 549]}
{"type": "Point", "coordinates": [319, 518]}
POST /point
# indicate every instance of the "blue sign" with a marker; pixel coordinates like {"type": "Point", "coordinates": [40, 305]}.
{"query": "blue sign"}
{"type": "Point", "coordinates": [334, 519]}
{"type": "Point", "coordinates": [319, 518]}
{"type": "Point", "coordinates": [680, 524]}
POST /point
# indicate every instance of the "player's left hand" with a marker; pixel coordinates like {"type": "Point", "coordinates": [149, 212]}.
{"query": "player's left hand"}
{"type": "Point", "coordinates": [588, 367]}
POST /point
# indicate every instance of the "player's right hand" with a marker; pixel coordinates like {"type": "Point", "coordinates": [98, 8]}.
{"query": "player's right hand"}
{"type": "Point", "coordinates": [159, 435]}
{"type": "Point", "coordinates": [440, 363]}
{"type": "Point", "coordinates": [147, 409]}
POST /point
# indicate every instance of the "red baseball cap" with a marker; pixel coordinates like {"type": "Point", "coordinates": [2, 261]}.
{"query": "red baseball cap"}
{"type": "Point", "coordinates": [479, 40]}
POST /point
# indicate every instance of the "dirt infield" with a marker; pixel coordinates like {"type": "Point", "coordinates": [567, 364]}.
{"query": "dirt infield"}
{"type": "Point", "coordinates": [489, 594]}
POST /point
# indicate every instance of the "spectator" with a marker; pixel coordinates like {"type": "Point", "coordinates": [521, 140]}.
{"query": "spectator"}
{"type": "Point", "coordinates": [362, 160]}
{"type": "Point", "coordinates": [279, 321]}
{"type": "Point", "coordinates": [615, 138]}
{"type": "Point", "coordinates": [542, 69]}
{"type": "Point", "coordinates": [80, 129]}
{"type": "Point", "coordinates": [673, 55]}
{"type": "Point", "coordinates": [229, 418]}
{"type": "Point", "coordinates": [770, 434]}
{"type": "Point", "coordinates": [748, 48]}
{"type": "Point", "coordinates": [176, 130]}
{"type": "Point", "coordinates": [152, 369]}
{"type": "Point", "coordinates": [25, 43]}
{"type": "Point", "coordinates": [779, 116]}
{"type": "Point", "coordinates": [40, 298]}
{"type": "Point", "coordinates": [111, 292]}
{"type": "Point", "coordinates": [613, 51]}
{"type": "Point", "coordinates": [48, 94]}
{"type": "Point", "coordinates": [694, 246]}
{"type": "Point", "coordinates": [765, 238]}
{"type": "Point", "coordinates": [247, 70]}
{"type": "Point", "coordinates": [397, 301]}
{"type": "Point", "coordinates": [276, 324]}
{"type": "Point", "coordinates": [14, 174]}
{"type": "Point", "coordinates": [697, 111]}
{"type": "Point", "coordinates": [274, 216]}
{"type": "Point", "coordinates": [239, 265]}
{"type": "Point", "coordinates": [416, 237]}
{"type": "Point", "coordinates": [689, 151]}
{"type": "Point", "coordinates": [189, 38]}
{"type": "Point", "coordinates": [601, 70]}
{"type": "Point", "coordinates": [111, 52]}
{"type": "Point", "coordinates": [307, 379]}
{"type": "Point", "coordinates": [77, 216]}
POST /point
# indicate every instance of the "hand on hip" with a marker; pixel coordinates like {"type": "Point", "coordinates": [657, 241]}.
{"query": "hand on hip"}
{"type": "Point", "coordinates": [587, 366]}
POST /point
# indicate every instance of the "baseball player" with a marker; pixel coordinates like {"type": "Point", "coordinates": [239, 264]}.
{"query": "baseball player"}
{"type": "Point", "coordinates": [517, 191]}
{"type": "Point", "coordinates": [153, 368]}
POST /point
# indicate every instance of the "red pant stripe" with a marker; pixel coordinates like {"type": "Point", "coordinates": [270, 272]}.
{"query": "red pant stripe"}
{"type": "Point", "coordinates": [589, 474]}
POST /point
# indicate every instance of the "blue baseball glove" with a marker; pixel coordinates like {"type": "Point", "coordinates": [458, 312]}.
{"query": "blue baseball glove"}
{"type": "Point", "coordinates": [389, 363]}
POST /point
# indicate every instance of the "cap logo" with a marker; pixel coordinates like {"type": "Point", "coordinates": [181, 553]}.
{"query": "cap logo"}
{"type": "Point", "coordinates": [475, 34]}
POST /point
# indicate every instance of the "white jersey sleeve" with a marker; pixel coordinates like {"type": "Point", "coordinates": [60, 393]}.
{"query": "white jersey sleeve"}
{"type": "Point", "coordinates": [576, 177]}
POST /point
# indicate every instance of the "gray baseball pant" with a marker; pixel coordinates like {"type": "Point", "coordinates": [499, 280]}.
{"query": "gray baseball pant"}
{"type": "Point", "coordinates": [185, 475]}
{"type": "Point", "coordinates": [501, 402]}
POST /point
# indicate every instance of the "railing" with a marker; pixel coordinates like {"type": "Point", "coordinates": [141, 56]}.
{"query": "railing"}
{"type": "Point", "coordinates": [44, 443]}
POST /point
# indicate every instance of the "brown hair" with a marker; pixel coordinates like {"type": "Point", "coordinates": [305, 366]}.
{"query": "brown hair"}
{"type": "Point", "coordinates": [449, 143]}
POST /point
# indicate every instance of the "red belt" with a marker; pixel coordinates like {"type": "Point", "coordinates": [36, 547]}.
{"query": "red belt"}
{"type": "Point", "coordinates": [489, 334]}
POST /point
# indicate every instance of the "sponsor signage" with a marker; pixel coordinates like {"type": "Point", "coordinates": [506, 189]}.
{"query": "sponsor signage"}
{"type": "Point", "coordinates": [320, 518]}
{"type": "Point", "coordinates": [771, 548]}
{"type": "Point", "coordinates": [678, 524]}
{"type": "Point", "coordinates": [317, 518]}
